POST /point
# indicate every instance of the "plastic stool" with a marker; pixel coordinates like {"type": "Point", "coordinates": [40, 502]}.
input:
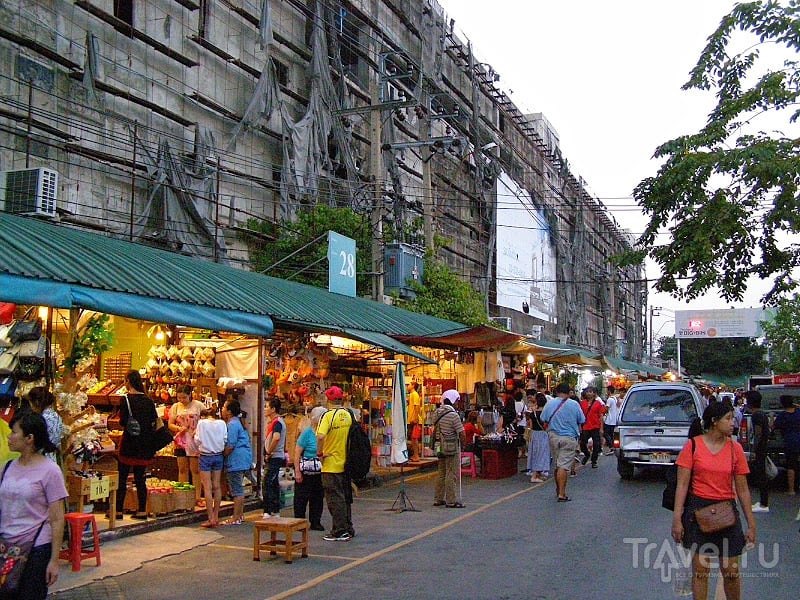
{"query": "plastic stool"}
{"type": "Point", "coordinates": [75, 553]}
{"type": "Point", "coordinates": [471, 470]}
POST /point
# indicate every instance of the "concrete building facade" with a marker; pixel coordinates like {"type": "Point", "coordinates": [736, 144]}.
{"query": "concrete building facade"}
{"type": "Point", "coordinates": [178, 123]}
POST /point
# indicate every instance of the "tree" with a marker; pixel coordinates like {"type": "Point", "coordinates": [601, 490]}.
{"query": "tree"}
{"type": "Point", "coordinates": [305, 257]}
{"type": "Point", "coordinates": [442, 294]}
{"type": "Point", "coordinates": [782, 334]}
{"type": "Point", "coordinates": [727, 357]}
{"type": "Point", "coordinates": [729, 192]}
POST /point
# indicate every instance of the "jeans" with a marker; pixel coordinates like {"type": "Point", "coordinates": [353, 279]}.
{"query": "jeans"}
{"type": "Point", "coordinates": [141, 486]}
{"type": "Point", "coordinates": [309, 492]}
{"type": "Point", "coordinates": [594, 434]}
{"type": "Point", "coordinates": [272, 490]}
{"type": "Point", "coordinates": [339, 497]}
{"type": "Point", "coordinates": [759, 471]}
{"type": "Point", "coordinates": [608, 434]}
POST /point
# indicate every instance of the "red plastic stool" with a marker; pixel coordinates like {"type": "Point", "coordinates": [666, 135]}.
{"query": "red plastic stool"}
{"type": "Point", "coordinates": [472, 468]}
{"type": "Point", "coordinates": [75, 553]}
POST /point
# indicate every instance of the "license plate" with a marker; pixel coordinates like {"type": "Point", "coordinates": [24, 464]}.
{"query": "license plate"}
{"type": "Point", "coordinates": [660, 457]}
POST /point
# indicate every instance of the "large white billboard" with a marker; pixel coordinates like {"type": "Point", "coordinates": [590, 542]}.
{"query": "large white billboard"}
{"type": "Point", "coordinates": [720, 323]}
{"type": "Point", "coordinates": [526, 262]}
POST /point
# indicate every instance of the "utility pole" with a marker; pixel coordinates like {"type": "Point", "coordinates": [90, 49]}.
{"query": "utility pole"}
{"type": "Point", "coordinates": [427, 192]}
{"type": "Point", "coordinates": [650, 346]}
{"type": "Point", "coordinates": [376, 169]}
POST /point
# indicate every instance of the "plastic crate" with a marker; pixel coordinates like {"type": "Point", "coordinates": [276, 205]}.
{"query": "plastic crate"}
{"type": "Point", "coordinates": [497, 464]}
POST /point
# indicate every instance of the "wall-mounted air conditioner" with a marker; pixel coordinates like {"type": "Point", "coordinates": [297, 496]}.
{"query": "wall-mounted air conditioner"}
{"type": "Point", "coordinates": [537, 331]}
{"type": "Point", "coordinates": [504, 322]}
{"type": "Point", "coordinates": [29, 191]}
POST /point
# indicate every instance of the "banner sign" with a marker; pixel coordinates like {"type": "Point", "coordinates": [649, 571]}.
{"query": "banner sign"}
{"type": "Point", "coordinates": [722, 323]}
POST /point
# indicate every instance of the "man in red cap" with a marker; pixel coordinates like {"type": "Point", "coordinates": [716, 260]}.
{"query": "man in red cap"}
{"type": "Point", "coordinates": [332, 434]}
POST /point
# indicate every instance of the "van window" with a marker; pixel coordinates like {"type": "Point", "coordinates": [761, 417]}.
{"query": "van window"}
{"type": "Point", "coordinates": [657, 405]}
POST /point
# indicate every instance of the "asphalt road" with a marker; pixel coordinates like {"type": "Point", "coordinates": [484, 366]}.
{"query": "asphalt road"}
{"type": "Point", "coordinates": [512, 541]}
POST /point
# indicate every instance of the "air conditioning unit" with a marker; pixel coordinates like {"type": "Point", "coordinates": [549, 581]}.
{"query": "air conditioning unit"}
{"type": "Point", "coordinates": [537, 331]}
{"type": "Point", "coordinates": [504, 322]}
{"type": "Point", "coordinates": [29, 191]}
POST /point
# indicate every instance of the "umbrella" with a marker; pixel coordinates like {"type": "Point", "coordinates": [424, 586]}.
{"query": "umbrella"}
{"type": "Point", "coordinates": [399, 442]}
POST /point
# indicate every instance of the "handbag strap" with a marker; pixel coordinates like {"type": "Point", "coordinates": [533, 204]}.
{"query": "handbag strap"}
{"type": "Point", "coordinates": [128, 402]}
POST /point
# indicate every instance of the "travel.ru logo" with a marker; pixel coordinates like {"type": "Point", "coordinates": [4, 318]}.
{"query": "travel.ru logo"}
{"type": "Point", "coordinates": [670, 558]}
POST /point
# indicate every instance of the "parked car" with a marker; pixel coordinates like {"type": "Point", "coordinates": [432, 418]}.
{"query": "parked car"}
{"type": "Point", "coordinates": [654, 424]}
{"type": "Point", "coordinates": [771, 405]}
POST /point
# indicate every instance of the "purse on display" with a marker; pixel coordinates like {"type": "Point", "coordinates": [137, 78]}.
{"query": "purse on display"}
{"type": "Point", "coordinates": [26, 329]}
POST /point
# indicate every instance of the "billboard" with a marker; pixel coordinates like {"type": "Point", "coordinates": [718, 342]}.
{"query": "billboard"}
{"type": "Point", "coordinates": [721, 323]}
{"type": "Point", "coordinates": [526, 263]}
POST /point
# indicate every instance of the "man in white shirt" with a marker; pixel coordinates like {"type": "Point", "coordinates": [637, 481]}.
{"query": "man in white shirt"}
{"type": "Point", "coordinates": [613, 404]}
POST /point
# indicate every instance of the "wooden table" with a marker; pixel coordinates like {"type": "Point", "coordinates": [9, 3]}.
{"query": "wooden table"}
{"type": "Point", "coordinates": [286, 526]}
{"type": "Point", "coordinates": [83, 490]}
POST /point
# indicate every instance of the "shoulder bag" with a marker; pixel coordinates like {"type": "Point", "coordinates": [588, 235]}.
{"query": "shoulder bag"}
{"type": "Point", "coordinates": [720, 515]}
{"type": "Point", "coordinates": [26, 329]}
{"type": "Point", "coordinates": [133, 428]}
{"type": "Point", "coordinates": [444, 445]}
{"type": "Point", "coordinates": [13, 557]}
{"type": "Point", "coordinates": [310, 466]}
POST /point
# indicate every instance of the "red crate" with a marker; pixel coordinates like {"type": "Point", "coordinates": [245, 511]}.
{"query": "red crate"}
{"type": "Point", "coordinates": [498, 464]}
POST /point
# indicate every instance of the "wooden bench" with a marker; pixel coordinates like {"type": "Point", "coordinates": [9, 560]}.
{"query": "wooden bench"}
{"type": "Point", "coordinates": [286, 526]}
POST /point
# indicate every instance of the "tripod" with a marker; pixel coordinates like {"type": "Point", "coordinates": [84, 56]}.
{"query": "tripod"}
{"type": "Point", "coordinates": [402, 503]}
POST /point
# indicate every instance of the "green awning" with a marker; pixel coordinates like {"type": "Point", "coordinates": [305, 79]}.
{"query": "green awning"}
{"type": "Point", "coordinates": [620, 364]}
{"type": "Point", "coordinates": [67, 259]}
{"type": "Point", "coordinates": [387, 343]}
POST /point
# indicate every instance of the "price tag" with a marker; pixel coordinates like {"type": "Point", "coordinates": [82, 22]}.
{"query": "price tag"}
{"type": "Point", "coordinates": [99, 488]}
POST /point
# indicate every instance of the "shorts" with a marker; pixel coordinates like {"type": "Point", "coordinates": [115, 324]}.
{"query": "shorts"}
{"type": "Point", "coordinates": [564, 449]}
{"type": "Point", "coordinates": [235, 483]}
{"type": "Point", "coordinates": [211, 462]}
{"type": "Point", "coordinates": [179, 452]}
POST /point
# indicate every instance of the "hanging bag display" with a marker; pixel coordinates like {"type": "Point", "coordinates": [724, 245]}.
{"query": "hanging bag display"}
{"type": "Point", "coordinates": [13, 557]}
{"type": "Point", "coordinates": [9, 361]}
{"type": "Point", "coordinates": [26, 329]}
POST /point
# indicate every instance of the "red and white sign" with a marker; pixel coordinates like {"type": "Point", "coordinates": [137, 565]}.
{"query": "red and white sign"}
{"type": "Point", "coordinates": [790, 379]}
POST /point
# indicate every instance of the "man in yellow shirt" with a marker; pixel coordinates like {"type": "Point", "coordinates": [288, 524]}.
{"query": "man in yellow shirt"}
{"type": "Point", "coordinates": [332, 433]}
{"type": "Point", "coordinates": [414, 412]}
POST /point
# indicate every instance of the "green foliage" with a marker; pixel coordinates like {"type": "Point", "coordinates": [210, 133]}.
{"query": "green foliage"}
{"type": "Point", "coordinates": [309, 264]}
{"type": "Point", "coordinates": [94, 338]}
{"type": "Point", "coordinates": [442, 294]}
{"type": "Point", "coordinates": [783, 337]}
{"type": "Point", "coordinates": [728, 193]}
{"type": "Point", "coordinates": [728, 357]}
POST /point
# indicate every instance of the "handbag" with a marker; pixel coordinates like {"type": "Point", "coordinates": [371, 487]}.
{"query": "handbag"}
{"type": "Point", "coordinates": [14, 556]}
{"type": "Point", "coordinates": [9, 361]}
{"type": "Point", "coordinates": [310, 466]}
{"type": "Point", "coordinates": [715, 517]}
{"type": "Point", "coordinates": [133, 428]}
{"type": "Point", "coordinates": [770, 470]}
{"type": "Point", "coordinates": [26, 329]}
{"type": "Point", "coordinates": [161, 438]}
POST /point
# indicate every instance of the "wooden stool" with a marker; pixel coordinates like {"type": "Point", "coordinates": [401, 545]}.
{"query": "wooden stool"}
{"type": "Point", "coordinates": [472, 469]}
{"type": "Point", "coordinates": [75, 553]}
{"type": "Point", "coordinates": [285, 525]}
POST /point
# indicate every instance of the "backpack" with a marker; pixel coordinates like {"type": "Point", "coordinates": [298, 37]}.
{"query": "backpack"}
{"type": "Point", "coordinates": [359, 451]}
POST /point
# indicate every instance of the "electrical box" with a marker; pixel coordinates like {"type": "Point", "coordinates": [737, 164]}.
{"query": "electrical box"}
{"type": "Point", "coordinates": [402, 265]}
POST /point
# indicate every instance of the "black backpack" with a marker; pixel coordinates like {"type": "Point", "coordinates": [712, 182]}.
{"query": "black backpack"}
{"type": "Point", "coordinates": [359, 451]}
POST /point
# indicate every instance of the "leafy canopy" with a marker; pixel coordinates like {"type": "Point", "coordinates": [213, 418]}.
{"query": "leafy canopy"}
{"type": "Point", "coordinates": [728, 194]}
{"type": "Point", "coordinates": [783, 336]}
{"type": "Point", "coordinates": [304, 259]}
{"type": "Point", "coordinates": [442, 294]}
{"type": "Point", "coordinates": [727, 357]}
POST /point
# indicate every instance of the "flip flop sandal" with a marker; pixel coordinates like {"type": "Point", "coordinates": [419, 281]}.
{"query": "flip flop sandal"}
{"type": "Point", "coordinates": [565, 499]}
{"type": "Point", "coordinates": [455, 505]}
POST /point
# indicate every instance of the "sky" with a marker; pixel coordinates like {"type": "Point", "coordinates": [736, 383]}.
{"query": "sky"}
{"type": "Point", "coordinates": [607, 74]}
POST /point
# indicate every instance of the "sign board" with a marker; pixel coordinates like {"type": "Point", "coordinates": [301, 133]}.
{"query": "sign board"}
{"type": "Point", "coordinates": [341, 264]}
{"type": "Point", "coordinates": [791, 379]}
{"type": "Point", "coordinates": [721, 323]}
{"type": "Point", "coordinates": [99, 488]}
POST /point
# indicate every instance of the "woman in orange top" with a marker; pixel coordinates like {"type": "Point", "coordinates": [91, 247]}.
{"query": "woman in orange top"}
{"type": "Point", "coordinates": [713, 463]}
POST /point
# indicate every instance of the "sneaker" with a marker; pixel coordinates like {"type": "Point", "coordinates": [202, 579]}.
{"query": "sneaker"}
{"type": "Point", "coordinates": [758, 508]}
{"type": "Point", "coordinates": [584, 460]}
{"type": "Point", "coordinates": [345, 537]}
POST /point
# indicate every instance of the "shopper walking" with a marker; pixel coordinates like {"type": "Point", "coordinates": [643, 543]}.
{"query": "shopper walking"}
{"type": "Point", "coordinates": [307, 480]}
{"type": "Point", "coordinates": [758, 455]}
{"type": "Point", "coordinates": [332, 434]}
{"type": "Point", "coordinates": [135, 452]}
{"type": "Point", "coordinates": [539, 446]}
{"type": "Point", "coordinates": [450, 437]}
{"type": "Point", "coordinates": [613, 404]}
{"type": "Point", "coordinates": [788, 423]}
{"type": "Point", "coordinates": [564, 418]}
{"type": "Point", "coordinates": [593, 410]}
{"type": "Point", "coordinates": [210, 437]}
{"type": "Point", "coordinates": [275, 453]}
{"type": "Point", "coordinates": [238, 458]}
{"type": "Point", "coordinates": [32, 494]}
